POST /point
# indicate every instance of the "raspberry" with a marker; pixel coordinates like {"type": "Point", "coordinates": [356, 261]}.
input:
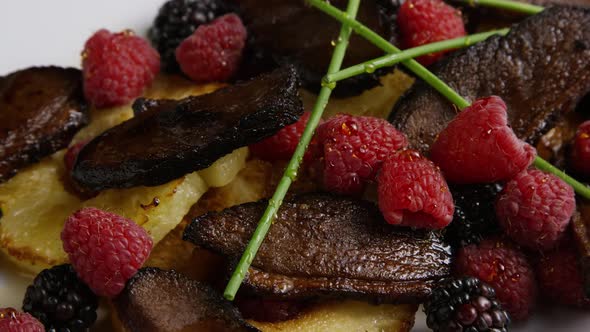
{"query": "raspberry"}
{"type": "Point", "coordinates": [178, 19]}
{"type": "Point", "coordinates": [478, 146]}
{"type": "Point", "coordinates": [117, 67]}
{"type": "Point", "coordinates": [354, 147]}
{"type": "Point", "coordinates": [412, 192]}
{"type": "Point", "coordinates": [105, 249]}
{"type": "Point", "coordinates": [560, 278]}
{"type": "Point", "coordinates": [465, 304]}
{"type": "Point", "coordinates": [12, 320]}
{"type": "Point", "coordinates": [281, 145]}
{"type": "Point", "coordinates": [580, 154]}
{"type": "Point", "coordinates": [427, 21]}
{"type": "Point", "coordinates": [535, 208]}
{"type": "Point", "coordinates": [213, 52]}
{"type": "Point", "coordinates": [505, 268]}
{"type": "Point", "coordinates": [72, 154]}
{"type": "Point", "coordinates": [60, 300]}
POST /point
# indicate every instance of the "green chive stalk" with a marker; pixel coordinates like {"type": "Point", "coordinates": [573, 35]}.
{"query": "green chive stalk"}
{"type": "Point", "coordinates": [513, 6]}
{"type": "Point", "coordinates": [291, 170]}
{"type": "Point", "coordinates": [392, 59]}
{"type": "Point", "coordinates": [384, 45]}
{"type": "Point", "coordinates": [434, 82]}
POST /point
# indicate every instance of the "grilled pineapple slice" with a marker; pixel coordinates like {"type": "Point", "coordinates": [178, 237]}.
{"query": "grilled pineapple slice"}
{"type": "Point", "coordinates": [35, 205]}
{"type": "Point", "coordinates": [348, 316]}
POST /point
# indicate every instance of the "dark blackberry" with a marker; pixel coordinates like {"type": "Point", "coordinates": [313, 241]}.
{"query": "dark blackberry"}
{"type": "Point", "coordinates": [467, 305]}
{"type": "Point", "coordinates": [61, 301]}
{"type": "Point", "coordinates": [475, 215]}
{"type": "Point", "coordinates": [178, 19]}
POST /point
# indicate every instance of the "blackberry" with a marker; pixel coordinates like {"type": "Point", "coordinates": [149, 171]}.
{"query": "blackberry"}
{"type": "Point", "coordinates": [178, 19]}
{"type": "Point", "coordinates": [61, 301]}
{"type": "Point", "coordinates": [467, 305]}
{"type": "Point", "coordinates": [475, 214]}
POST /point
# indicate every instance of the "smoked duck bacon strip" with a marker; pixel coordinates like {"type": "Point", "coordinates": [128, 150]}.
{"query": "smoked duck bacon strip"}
{"type": "Point", "coordinates": [155, 300]}
{"type": "Point", "coordinates": [41, 108]}
{"type": "Point", "coordinates": [170, 138]}
{"type": "Point", "coordinates": [325, 245]}
{"type": "Point", "coordinates": [541, 69]}
{"type": "Point", "coordinates": [290, 31]}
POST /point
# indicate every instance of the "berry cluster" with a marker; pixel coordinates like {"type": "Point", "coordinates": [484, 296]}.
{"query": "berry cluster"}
{"type": "Point", "coordinates": [61, 301]}
{"type": "Point", "coordinates": [465, 304]}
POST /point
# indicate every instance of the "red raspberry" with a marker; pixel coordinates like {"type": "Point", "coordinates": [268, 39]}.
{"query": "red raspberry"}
{"type": "Point", "coordinates": [105, 249]}
{"type": "Point", "coordinates": [560, 278]}
{"type": "Point", "coordinates": [478, 146]}
{"type": "Point", "coordinates": [580, 158]}
{"type": "Point", "coordinates": [281, 145]}
{"type": "Point", "coordinates": [72, 154]}
{"type": "Point", "coordinates": [427, 21]}
{"type": "Point", "coordinates": [213, 52]}
{"type": "Point", "coordinates": [535, 208]}
{"type": "Point", "coordinates": [12, 320]}
{"type": "Point", "coordinates": [504, 267]}
{"type": "Point", "coordinates": [117, 67]}
{"type": "Point", "coordinates": [412, 192]}
{"type": "Point", "coordinates": [354, 147]}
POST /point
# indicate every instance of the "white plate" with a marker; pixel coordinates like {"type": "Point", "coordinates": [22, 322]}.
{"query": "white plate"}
{"type": "Point", "coordinates": [53, 33]}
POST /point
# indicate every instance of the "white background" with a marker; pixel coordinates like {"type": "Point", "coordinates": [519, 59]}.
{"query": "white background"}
{"type": "Point", "coordinates": [52, 32]}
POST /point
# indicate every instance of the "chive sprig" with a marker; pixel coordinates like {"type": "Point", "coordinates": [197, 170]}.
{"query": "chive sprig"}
{"type": "Point", "coordinates": [341, 44]}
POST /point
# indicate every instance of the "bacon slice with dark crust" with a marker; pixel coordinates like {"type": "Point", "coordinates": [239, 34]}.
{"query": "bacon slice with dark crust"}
{"type": "Point", "coordinates": [41, 108]}
{"type": "Point", "coordinates": [170, 138]}
{"type": "Point", "coordinates": [325, 245]}
{"type": "Point", "coordinates": [165, 301]}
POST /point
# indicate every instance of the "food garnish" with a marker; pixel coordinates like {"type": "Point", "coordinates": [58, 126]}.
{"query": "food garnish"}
{"type": "Point", "coordinates": [352, 149]}
{"type": "Point", "coordinates": [535, 209]}
{"type": "Point", "coordinates": [506, 268]}
{"type": "Point", "coordinates": [465, 304]}
{"type": "Point", "coordinates": [427, 21]}
{"type": "Point", "coordinates": [412, 192]}
{"type": "Point", "coordinates": [12, 320]}
{"type": "Point", "coordinates": [61, 301]}
{"type": "Point", "coordinates": [178, 19]}
{"type": "Point", "coordinates": [117, 67]}
{"type": "Point", "coordinates": [214, 51]}
{"type": "Point", "coordinates": [105, 249]}
{"type": "Point", "coordinates": [478, 145]}
{"type": "Point", "coordinates": [293, 165]}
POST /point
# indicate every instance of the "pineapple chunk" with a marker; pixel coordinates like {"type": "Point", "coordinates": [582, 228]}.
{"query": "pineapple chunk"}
{"type": "Point", "coordinates": [225, 169]}
{"type": "Point", "coordinates": [35, 205]}
{"type": "Point", "coordinates": [157, 209]}
{"type": "Point", "coordinates": [377, 102]}
{"type": "Point", "coordinates": [348, 316]}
